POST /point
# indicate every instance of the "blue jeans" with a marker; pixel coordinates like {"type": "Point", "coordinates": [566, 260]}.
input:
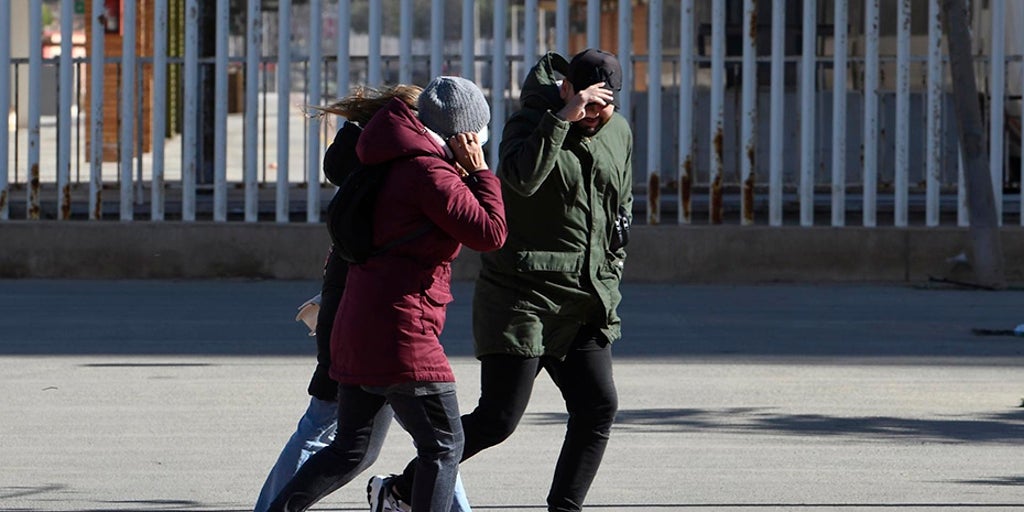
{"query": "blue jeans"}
{"type": "Point", "coordinates": [429, 412]}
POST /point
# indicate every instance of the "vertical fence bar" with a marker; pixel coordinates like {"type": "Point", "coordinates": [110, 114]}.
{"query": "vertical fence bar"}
{"type": "Point", "coordinates": [64, 112]}
{"type": "Point", "coordinates": [933, 130]}
{"type": "Point", "coordinates": [626, 56]}
{"type": "Point", "coordinates": [436, 38]}
{"type": "Point", "coordinates": [562, 28]}
{"type": "Point", "coordinates": [808, 71]}
{"type": "Point", "coordinates": [1021, 141]}
{"type": "Point", "coordinates": [748, 160]}
{"type": "Point", "coordinates": [530, 35]}
{"type": "Point", "coordinates": [314, 91]}
{"type": "Point", "coordinates": [778, 106]}
{"type": "Point", "coordinates": [963, 218]}
{"type": "Point", "coordinates": [997, 112]}
{"type": "Point", "coordinates": [593, 23]}
{"type": "Point", "coordinates": [190, 122]}
{"type": "Point", "coordinates": [499, 79]}
{"type": "Point", "coordinates": [220, 115]}
{"type": "Point", "coordinates": [717, 111]}
{"type": "Point", "coordinates": [468, 39]}
{"type": "Point", "coordinates": [654, 29]}
{"type": "Point", "coordinates": [839, 115]}
{"type": "Point", "coordinates": [344, 13]}
{"type": "Point", "coordinates": [869, 150]}
{"type": "Point", "coordinates": [5, 107]}
{"type": "Point", "coordinates": [35, 63]}
{"type": "Point", "coordinates": [253, 46]}
{"type": "Point", "coordinates": [127, 131]}
{"type": "Point", "coordinates": [159, 132]}
{"type": "Point", "coordinates": [686, 75]}
{"type": "Point", "coordinates": [901, 175]}
{"type": "Point", "coordinates": [405, 42]}
{"type": "Point", "coordinates": [96, 72]}
{"type": "Point", "coordinates": [373, 73]}
{"type": "Point", "coordinates": [284, 68]}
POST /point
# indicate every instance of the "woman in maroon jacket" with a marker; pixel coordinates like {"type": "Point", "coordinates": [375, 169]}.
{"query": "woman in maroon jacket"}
{"type": "Point", "coordinates": [384, 345]}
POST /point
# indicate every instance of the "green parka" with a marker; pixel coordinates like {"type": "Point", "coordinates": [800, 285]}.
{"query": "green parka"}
{"type": "Point", "coordinates": [562, 193]}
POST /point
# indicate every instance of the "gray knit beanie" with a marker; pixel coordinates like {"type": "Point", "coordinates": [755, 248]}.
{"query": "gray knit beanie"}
{"type": "Point", "coordinates": [450, 105]}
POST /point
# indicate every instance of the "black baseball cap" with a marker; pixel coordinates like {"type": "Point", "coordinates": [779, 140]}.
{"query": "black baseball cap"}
{"type": "Point", "coordinates": [592, 66]}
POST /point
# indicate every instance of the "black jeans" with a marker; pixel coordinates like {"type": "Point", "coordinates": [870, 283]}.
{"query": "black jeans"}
{"type": "Point", "coordinates": [428, 411]}
{"type": "Point", "coordinates": [585, 380]}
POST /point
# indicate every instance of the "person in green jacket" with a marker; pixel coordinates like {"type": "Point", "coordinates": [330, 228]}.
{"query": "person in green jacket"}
{"type": "Point", "coordinates": [547, 299]}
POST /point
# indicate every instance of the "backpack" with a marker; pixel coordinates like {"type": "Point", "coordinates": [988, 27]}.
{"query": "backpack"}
{"type": "Point", "coordinates": [350, 216]}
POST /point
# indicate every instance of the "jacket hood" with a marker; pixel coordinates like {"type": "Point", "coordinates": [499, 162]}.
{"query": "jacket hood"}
{"type": "Point", "coordinates": [394, 133]}
{"type": "Point", "coordinates": [540, 89]}
{"type": "Point", "coordinates": [340, 158]}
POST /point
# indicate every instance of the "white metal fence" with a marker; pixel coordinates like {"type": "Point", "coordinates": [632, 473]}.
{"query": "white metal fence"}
{"type": "Point", "coordinates": [745, 112]}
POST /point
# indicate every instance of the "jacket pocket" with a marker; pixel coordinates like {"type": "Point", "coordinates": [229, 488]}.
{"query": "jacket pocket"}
{"type": "Point", "coordinates": [549, 261]}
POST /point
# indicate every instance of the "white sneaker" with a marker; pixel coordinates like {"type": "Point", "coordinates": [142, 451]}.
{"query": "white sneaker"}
{"type": "Point", "coordinates": [378, 494]}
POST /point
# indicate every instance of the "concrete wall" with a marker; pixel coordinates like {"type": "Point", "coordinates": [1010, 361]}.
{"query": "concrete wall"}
{"type": "Point", "coordinates": [696, 254]}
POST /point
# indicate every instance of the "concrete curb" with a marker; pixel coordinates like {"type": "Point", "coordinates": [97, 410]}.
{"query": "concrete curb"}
{"type": "Point", "coordinates": [697, 254]}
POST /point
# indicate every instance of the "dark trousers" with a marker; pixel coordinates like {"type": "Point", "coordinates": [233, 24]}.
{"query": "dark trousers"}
{"type": "Point", "coordinates": [585, 380]}
{"type": "Point", "coordinates": [363, 420]}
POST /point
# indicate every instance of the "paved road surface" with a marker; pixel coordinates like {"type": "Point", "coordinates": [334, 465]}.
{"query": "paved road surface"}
{"type": "Point", "coordinates": [177, 396]}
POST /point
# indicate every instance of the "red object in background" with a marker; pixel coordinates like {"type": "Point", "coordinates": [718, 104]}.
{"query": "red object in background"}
{"type": "Point", "coordinates": [112, 16]}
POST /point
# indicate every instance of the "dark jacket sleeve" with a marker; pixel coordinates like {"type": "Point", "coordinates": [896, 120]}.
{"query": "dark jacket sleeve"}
{"type": "Point", "coordinates": [530, 145]}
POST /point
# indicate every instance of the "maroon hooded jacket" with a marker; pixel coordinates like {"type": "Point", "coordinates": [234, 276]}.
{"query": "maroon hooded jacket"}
{"type": "Point", "coordinates": [387, 326]}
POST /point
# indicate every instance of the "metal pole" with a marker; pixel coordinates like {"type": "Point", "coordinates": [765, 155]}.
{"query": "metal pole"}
{"type": "Point", "coordinates": [839, 116]}
{"type": "Point", "coordinates": [344, 13]}
{"type": "Point", "coordinates": [686, 74]}
{"type": "Point", "coordinates": [253, 50]}
{"type": "Point", "coordinates": [405, 42]}
{"type": "Point", "coordinates": [499, 80]}
{"type": "Point", "coordinates": [314, 90]}
{"type": "Point", "coordinates": [562, 28]}
{"type": "Point", "coordinates": [986, 246]}
{"type": "Point", "coordinates": [35, 63]}
{"type": "Point", "coordinates": [933, 130]}
{"type": "Point", "coordinates": [778, 100]}
{"type": "Point", "coordinates": [5, 108]}
{"type": "Point", "coordinates": [220, 115]}
{"type": "Point", "coordinates": [870, 150]}
{"type": "Point", "coordinates": [717, 129]}
{"type": "Point", "coordinates": [190, 125]}
{"type": "Point", "coordinates": [530, 35]}
{"type": "Point", "coordinates": [376, 33]}
{"type": "Point", "coordinates": [748, 160]}
{"type": "Point", "coordinates": [64, 112]}
{"type": "Point", "coordinates": [159, 133]}
{"type": "Point", "coordinates": [468, 39]}
{"type": "Point", "coordinates": [654, 29]}
{"type": "Point", "coordinates": [593, 23]}
{"type": "Point", "coordinates": [808, 71]}
{"type": "Point", "coordinates": [96, 71]}
{"type": "Point", "coordinates": [626, 54]}
{"type": "Point", "coordinates": [436, 38]}
{"type": "Point", "coordinates": [901, 178]}
{"type": "Point", "coordinates": [284, 81]}
{"type": "Point", "coordinates": [128, 84]}
{"type": "Point", "coordinates": [997, 111]}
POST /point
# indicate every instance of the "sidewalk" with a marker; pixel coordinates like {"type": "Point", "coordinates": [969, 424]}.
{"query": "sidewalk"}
{"type": "Point", "coordinates": [177, 395]}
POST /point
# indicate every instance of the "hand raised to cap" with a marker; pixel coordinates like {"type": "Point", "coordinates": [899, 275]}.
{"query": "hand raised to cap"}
{"type": "Point", "coordinates": [576, 105]}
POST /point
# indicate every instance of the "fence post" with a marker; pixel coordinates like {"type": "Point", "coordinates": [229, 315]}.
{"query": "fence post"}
{"type": "Point", "coordinates": [749, 123]}
{"type": "Point", "coordinates": [686, 75]}
{"type": "Point", "coordinates": [253, 46]}
{"type": "Point", "coordinates": [778, 112]}
{"type": "Point", "coordinates": [839, 115]}
{"type": "Point", "coordinates": [5, 107]}
{"type": "Point", "coordinates": [717, 149]}
{"type": "Point", "coordinates": [64, 113]}
{"type": "Point", "coordinates": [986, 246]}
{"type": "Point", "coordinates": [808, 93]}
{"type": "Point", "coordinates": [933, 129]}
{"type": "Point", "coordinates": [35, 59]}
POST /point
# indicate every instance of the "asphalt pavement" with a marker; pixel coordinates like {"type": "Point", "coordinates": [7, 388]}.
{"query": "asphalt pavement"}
{"type": "Point", "coordinates": [178, 395]}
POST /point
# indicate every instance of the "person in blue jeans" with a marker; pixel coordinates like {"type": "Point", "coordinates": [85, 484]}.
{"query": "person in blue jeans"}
{"type": "Point", "coordinates": [385, 344]}
{"type": "Point", "coordinates": [317, 426]}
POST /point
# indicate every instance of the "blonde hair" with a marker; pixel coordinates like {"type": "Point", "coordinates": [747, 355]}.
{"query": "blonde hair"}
{"type": "Point", "coordinates": [363, 102]}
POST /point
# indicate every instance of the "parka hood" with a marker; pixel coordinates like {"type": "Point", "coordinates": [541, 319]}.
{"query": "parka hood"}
{"type": "Point", "coordinates": [395, 132]}
{"type": "Point", "coordinates": [540, 89]}
{"type": "Point", "coordinates": [340, 158]}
